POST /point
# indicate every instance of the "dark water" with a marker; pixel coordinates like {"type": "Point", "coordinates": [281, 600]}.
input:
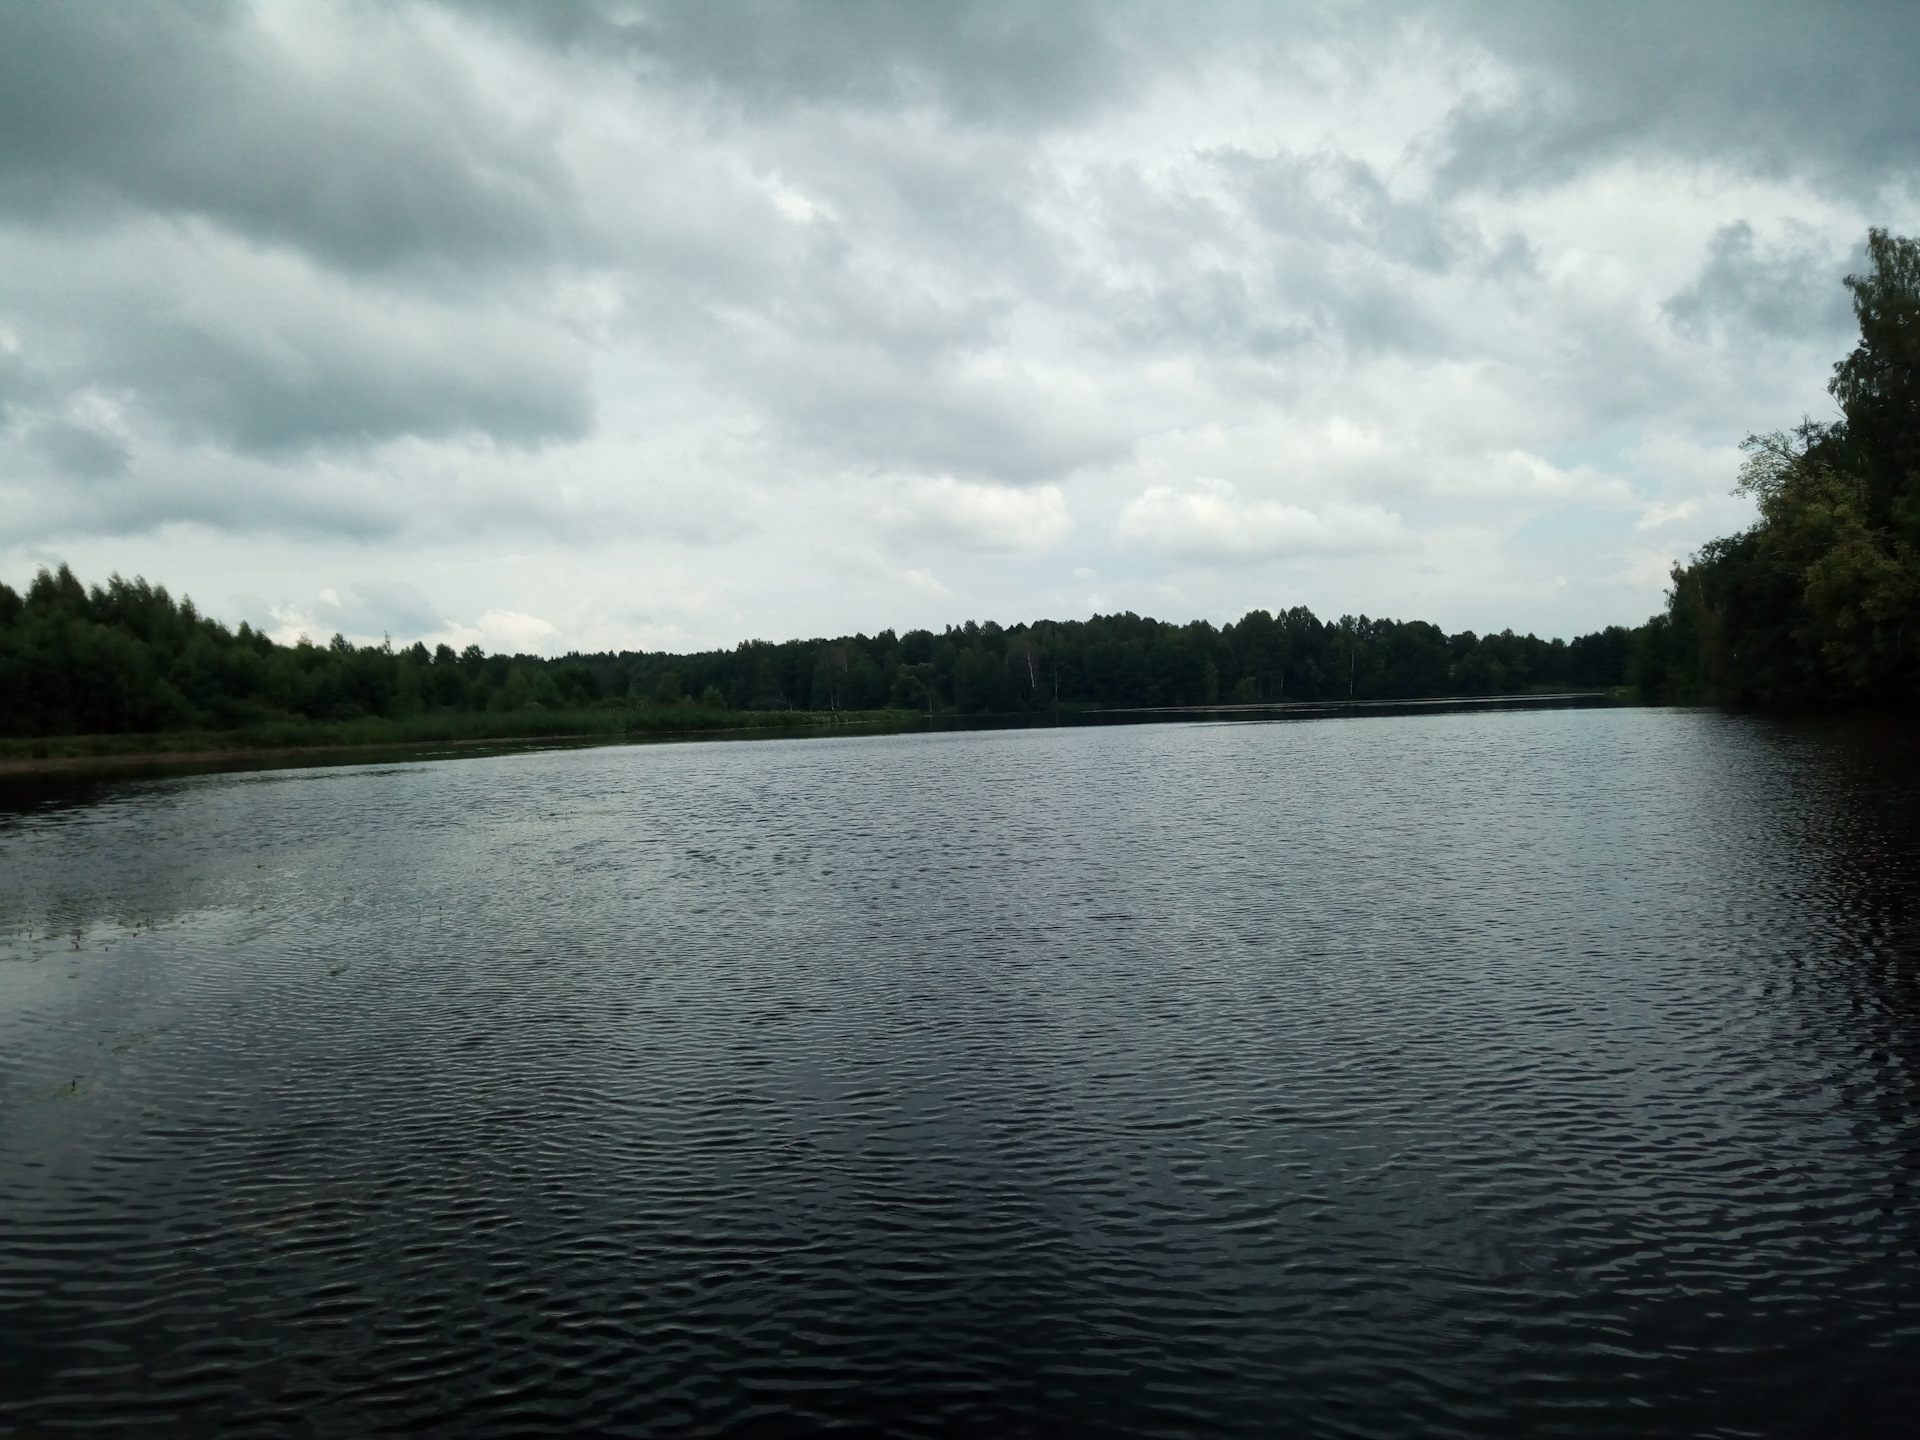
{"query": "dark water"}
{"type": "Point", "coordinates": [1547, 1073]}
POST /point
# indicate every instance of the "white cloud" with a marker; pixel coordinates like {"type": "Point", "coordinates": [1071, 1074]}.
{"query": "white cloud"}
{"type": "Point", "coordinates": [994, 518]}
{"type": "Point", "coordinates": [504, 631]}
{"type": "Point", "coordinates": [1655, 516]}
{"type": "Point", "coordinates": [511, 630]}
{"type": "Point", "coordinates": [926, 582]}
{"type": "Point", "coordinates": [755, 321]}
{"type": "Point", "coordinates": [1208, 520]}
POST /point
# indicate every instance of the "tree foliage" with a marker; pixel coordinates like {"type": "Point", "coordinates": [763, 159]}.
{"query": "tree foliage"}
{"type": "Point", "coordinates": [1815, 603]}
{"type": "Point", "coordinates": [128, 657]}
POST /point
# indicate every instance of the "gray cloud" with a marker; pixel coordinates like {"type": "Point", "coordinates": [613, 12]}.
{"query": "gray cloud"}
{"type": "Point", "coordinates": [207, 339]}
{"type": "Point", "coordinates": [193, 204]}
{"type": "Point", "coordinates": [1000, 61]}
{"type": "Point", "coordinates": [1822, 92]}
{"type": "Point", "coordinates": [385, 150]}
{"type": "Point", "coordinates": [985, 273]}
{"type": "Point", "coordinates": [1784, 291]}
{"type": "Point", "coordinates": [374, 158]}
{"type": "Point", "coordinates": [1006, 431]}
{"type": "Point", "coordinates": [1778, 84]}
{"type": "Point", "coordinates": [80, 450]}
{"type": "Point", "coordinates": [316, 375]}
{"type": "Point", "coordinates": [222, 493]}
{"type": "Point", "coordinates": [394, 607]}
{"type": "Point", "coordinates": [1333, 199]}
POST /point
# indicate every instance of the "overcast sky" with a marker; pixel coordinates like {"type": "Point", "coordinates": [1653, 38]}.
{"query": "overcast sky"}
{"type": "Point", "coordinates": [556, 326]}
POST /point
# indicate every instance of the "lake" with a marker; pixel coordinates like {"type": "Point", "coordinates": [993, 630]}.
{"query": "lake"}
{"type": "Point", "coordinates": [1547, 1073]}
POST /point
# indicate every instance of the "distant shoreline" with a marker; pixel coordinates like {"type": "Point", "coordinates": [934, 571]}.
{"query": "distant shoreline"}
{"type": "Point", "coordinates": [1301, 709]}
{"type": "Point", "coordinates": [83, 754]}
{"type": "Point", "coordinates": [168, 749]}
{"type": "Point", "coordinates": [162, 757]}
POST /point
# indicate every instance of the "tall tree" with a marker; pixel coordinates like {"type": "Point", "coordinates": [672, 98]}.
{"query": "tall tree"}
{"type": "Point", "coordinates": [1819, 602]}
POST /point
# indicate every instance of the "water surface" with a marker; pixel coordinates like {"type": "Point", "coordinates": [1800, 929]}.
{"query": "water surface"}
{"type": "Point", "coordinates": [1548, 1073]}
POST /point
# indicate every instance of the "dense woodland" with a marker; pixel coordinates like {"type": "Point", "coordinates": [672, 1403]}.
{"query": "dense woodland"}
{"type": "Point", "coordinates": [1817, 604]}
{"type": "Point", "coordinates": [1811, 606]}
{"type": "Point", "coordinates": [127, 656]}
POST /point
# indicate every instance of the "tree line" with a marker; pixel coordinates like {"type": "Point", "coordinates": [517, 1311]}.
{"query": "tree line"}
{"type": "Point", "coordinates": [1818, 603]}
{"type": "Point", "coordinates": [128, 657]}
{"type": "Point", "coordinates": [1814, 604]}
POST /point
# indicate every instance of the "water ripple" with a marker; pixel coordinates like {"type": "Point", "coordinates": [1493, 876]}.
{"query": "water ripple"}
{"type": "Point", "coordinates": [1549, 1073]}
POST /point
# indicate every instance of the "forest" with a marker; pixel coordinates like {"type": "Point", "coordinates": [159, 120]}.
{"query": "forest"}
{"type": "Point", "coordinates": [128, 657]}
{"type": "Point", "coordinates": [1813, 605]}
{"type": "Point", "coordinates": [1809, 607]}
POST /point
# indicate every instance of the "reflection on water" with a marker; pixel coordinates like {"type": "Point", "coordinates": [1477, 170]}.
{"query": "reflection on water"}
{"type": "Point", "coordinates": [1546, 1073]}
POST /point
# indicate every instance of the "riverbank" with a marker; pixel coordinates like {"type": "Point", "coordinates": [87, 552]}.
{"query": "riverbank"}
{"type": "Point", "coordinates": [456, 731]}
{"type": "Point", "coordinates": [448, 735]}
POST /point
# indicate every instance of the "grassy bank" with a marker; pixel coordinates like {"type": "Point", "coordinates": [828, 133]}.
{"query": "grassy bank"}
{"type": "Point", "coordinates": [444, 728]}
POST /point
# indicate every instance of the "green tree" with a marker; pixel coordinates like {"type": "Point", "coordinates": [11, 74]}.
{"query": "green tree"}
{"type": "Point", "coordinates": [1816, 602]}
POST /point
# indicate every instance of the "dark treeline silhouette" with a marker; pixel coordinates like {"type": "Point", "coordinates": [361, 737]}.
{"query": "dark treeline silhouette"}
{"type": "Point", "coordinates": [128, 657]}
{"type": "Point", "coordinates": [1124, 661]}
{"type": "Point", "coordinates": [1819, 602]}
